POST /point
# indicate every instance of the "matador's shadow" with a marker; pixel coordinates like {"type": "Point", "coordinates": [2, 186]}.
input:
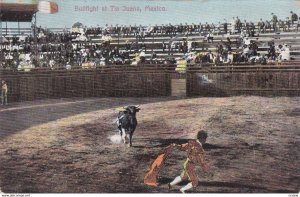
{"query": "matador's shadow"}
{"type": "Point", "coordinates": [162, 143]}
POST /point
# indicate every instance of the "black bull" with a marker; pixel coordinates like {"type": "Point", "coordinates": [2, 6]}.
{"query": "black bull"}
{"type": "Point", "coordinates": [127, 123]}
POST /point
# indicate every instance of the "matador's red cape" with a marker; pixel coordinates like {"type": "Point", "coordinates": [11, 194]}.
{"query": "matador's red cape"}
{"type": "Point", "coordinates": [151, 177]}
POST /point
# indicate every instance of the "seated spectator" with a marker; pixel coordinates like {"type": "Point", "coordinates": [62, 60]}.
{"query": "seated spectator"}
{"type": "Point", "coordinates": [247, 41]}
{"type": "Point", "coordinates": [127, 45]}
{"type": "Point", "coordinates": [210, 56]}
{"type": "Point", "coordinates": [106, 38]}
{"type": "Point", "coordinates": [142, 56]}
{"type": "Point", "coordinates": [278, 49]}
{"type": "Point", "coordinates": [68, 66]}
{"type": "Point", "coordinates": [136, 59]}
{"type": "Point", "coordinates": [272, 52]}
{"type": "Point", "coordinates": [52, 64]}
{"type": "Point", "coordinates": [253, 47]}
{"type": "Point", "coordinates": [153, 58]}
{"type": "Point", "coordinates": [285, 53]}
{"type": "Point", "coordinates": [230, 57]}
{"type": "Point", "coordinates": [217, 59]}
{"type": "Point", "coordinates": [59, 47]}
{"type": "Point", "coordinates": [246, 51]}
{"type": "Point", "coordinates": [149, 30]}
{"type": "Point", "coordinates": [190, 45]}
{"type": "Point", "coordinates": [102, 61]}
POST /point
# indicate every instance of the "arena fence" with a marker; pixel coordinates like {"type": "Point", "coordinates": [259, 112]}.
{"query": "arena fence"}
{"type": "Point", "coordinates": [153, 81]}
{"type": "Point", "coordinates": [244, 80]}
{"type": "Point", "coordinates": [115, 82]}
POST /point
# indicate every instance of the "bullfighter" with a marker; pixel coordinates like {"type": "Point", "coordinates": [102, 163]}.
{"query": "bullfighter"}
{"type": "Point", "coordinates": [195, 156]}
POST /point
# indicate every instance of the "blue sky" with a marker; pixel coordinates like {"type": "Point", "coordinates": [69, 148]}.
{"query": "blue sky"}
{"type": "Point", "coordinates": [175, 11]}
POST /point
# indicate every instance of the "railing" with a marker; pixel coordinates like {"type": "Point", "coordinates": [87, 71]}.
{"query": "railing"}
{"type": "Point", "coordinates": [207, 67]}
{"type": "Point", "coordinates": [18, 31]}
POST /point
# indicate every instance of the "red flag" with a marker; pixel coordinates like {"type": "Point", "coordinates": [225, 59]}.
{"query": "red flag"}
{"type": "Point", "coordinates": [47, 7]}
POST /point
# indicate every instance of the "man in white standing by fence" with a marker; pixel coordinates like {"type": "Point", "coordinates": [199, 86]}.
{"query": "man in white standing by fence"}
{"type": "Point", "coordinates": [4, 90]}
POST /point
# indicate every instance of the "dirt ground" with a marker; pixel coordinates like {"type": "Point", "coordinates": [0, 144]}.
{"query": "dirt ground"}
{"type": "Point", "coordinates": [63, 146]}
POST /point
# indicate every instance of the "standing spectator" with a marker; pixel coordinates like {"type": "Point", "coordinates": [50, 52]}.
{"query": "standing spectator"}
{"type": "Point", "coordinates": [4, 90]}
{"type": "Point", "coordinates": [267, 26]}
{"type": "Point", "coordinates": [233, 24]}
{"type": "Point", "coordinates": [260, 25]}
{"type": "Point", "coordinates": [210, 37]}
{"type": "Point", "coordinates": [281, 25]}
{"type": "Point", "coordinates": [252, 29]}
{"type": "Point", "coordinates": [225, 28]}
{"type": "Point", "coordinates": [294, 17]}
{"type": "Point", "coordinates": [288, 24]}
{"type": "Point", "coordinates": [274, 21]}
{"type": "Point", "coordinates": [238, 24]}
{"type": "Point", "coordinates": [207, 27]}
{"type": "Point", "coordinates": [219, 28]}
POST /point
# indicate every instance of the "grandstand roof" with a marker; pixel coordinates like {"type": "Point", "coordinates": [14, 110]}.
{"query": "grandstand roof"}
{"type": "Point", "coordinates": [14, 12]}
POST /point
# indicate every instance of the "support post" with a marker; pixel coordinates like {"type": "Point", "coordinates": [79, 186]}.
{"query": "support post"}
{"type": "Point", "coordinates": [35, 38]}
{"type": "Point", "coordinates": [1, 41]}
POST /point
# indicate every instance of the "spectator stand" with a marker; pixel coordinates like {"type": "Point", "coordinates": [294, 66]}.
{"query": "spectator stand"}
{"type": "Point", "coordinates": [12, 12]}
{"type": "Point", "coordinates": [224, 43]}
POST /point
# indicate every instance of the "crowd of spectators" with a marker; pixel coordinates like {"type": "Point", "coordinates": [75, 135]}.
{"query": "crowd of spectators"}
{"type": "Point", "coordinates": [77, 48]}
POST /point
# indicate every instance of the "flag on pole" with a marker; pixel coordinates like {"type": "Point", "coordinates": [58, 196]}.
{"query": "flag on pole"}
{"type": "Point", "coordinates": [47, 7]}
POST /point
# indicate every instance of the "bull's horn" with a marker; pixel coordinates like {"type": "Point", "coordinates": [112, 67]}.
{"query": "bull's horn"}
{"type": "Point", "coordinates": [120, 109]}
{"type": "Point", "coordinates": [138, 106]}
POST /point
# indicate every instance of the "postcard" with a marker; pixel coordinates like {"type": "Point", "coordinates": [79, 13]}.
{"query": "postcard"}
{"type": "Point", "coordinates": [149, 97]}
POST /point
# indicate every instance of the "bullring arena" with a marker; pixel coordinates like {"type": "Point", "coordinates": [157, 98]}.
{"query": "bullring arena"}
{"type": "Point", "coordinates": [58, 132]}
{"type": "Point", "coordinates": [65, 145]}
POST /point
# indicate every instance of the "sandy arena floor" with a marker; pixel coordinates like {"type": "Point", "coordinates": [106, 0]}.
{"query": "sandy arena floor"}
{"type": "Point", "coordinates": [63, 146]}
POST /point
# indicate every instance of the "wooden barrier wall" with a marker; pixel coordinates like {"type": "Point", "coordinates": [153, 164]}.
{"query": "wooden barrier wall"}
{"type": "Point", "coordinates": [150, 82]}
{"type": "Point", "coordinates": [68, 84]}
{"type": "Point", "coordinates": [259, 83]}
